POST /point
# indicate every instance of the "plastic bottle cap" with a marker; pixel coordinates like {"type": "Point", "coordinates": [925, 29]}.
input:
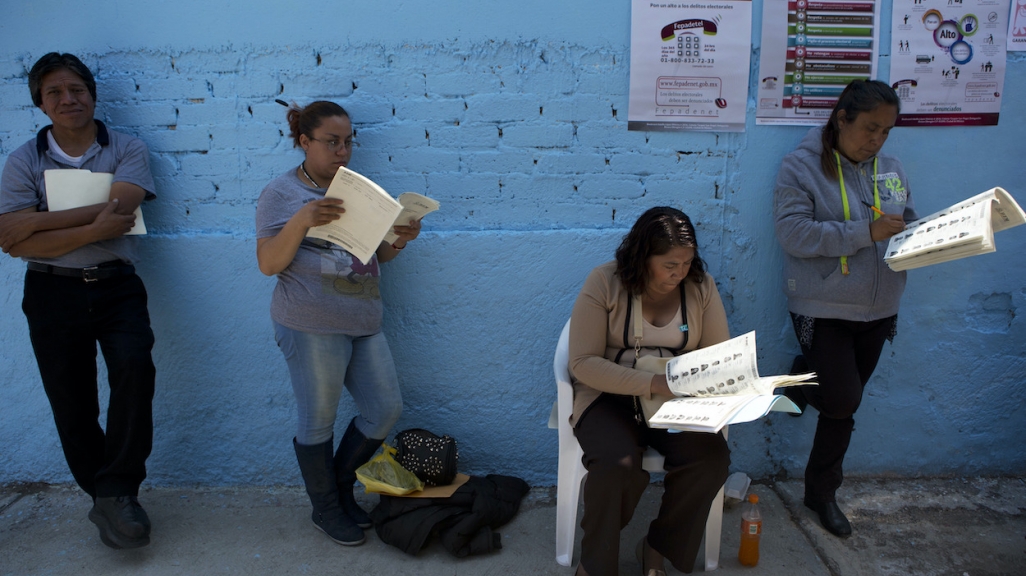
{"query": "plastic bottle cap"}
{"type": "Point", "coordinates": [753, 498]}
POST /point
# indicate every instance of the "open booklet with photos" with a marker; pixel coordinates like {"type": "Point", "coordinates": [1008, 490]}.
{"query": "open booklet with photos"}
{"type": "Point", "coordinates": [717, 386]}
{"type": "Point", "coordinates": [963, 230]}
{"type": "Point", "coordinates": [370, 216]}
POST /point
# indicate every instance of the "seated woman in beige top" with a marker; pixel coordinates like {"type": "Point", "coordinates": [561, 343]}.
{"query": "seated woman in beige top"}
{"type": "Point", "coordinates": [657, 262]}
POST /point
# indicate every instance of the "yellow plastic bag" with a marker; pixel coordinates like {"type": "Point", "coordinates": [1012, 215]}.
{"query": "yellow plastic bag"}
{"type": "Point", "coordinates": [383, 475]}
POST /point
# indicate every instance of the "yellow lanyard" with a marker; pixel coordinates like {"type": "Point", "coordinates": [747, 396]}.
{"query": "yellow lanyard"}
{"type": "Point", "coordinates": [844, 201]}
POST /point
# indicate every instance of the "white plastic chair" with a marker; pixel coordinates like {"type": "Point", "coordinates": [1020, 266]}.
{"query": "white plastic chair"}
{"type": "Point", "coordinates": [572, 471]}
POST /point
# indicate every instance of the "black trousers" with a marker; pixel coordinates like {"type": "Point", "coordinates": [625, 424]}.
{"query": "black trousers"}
{"type": "Point", "coordinates": [613, 442]}
{"type": "Point", "coordinates": [67, 317]}
{"type": "Point", "coordinates": [843, 354]}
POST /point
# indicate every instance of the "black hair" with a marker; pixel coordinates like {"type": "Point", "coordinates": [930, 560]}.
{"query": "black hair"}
{"type": "Point", "coordinates": [657, 231]}
{"type": "Point", "coordinates": [308, 118]}
{"type": "Point", "coordinates": [858, 96]}
{"type": "Point", "coordinates": [56, 61]}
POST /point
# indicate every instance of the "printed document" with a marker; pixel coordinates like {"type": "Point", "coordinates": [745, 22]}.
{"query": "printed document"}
{"type": "Point", "coordinates": [369, 215]}
{"type": "Point", "coordinates": [74, 188]}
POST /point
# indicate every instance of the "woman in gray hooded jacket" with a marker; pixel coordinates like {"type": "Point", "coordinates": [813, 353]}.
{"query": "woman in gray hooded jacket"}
{"type": "Point", "coordinates": [837, 202]}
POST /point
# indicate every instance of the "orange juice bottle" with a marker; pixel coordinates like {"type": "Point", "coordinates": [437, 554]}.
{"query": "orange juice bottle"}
{"type": "Point", "coordinates": [751, 531]}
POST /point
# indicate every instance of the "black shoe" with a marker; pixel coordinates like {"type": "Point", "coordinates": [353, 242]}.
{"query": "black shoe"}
{"type": "Point", "coordinates": [122, 522]}
{"type": "Point", "coordinates": [831, 517]}
{"type": "Point", "coordinates": [339, 527]}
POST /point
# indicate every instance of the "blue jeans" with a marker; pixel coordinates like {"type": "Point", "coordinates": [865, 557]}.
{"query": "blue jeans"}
{"type": "Point", "coordinates": [321, 364]}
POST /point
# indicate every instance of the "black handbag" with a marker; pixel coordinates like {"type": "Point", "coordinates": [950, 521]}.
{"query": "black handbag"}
{"type": "Point", "coordinates": [430, 457]}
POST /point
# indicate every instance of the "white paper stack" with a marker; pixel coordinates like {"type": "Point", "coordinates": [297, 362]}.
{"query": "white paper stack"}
{"type": "Point", "coordinates": [369, 214]}
{"type": "Point", "coordinates": [75, 188]}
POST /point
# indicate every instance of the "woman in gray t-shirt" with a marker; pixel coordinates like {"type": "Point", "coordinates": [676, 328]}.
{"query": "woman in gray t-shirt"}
{"type": "Point", "coordinates": [326, 310]}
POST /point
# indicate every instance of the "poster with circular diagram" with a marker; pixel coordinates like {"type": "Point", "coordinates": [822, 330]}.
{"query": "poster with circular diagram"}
{"type": "Point", "coordinates": [948, 61]}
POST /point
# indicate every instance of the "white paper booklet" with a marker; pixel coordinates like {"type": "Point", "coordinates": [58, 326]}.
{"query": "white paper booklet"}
{"type": "Point", "coordinates": [721, 385]}
{"type": "Point", "coordinates": [73, 188]}
{"type": "Point", "coordinates": [963, 230]}
{"type": "Point", "coordinates": [415, 207]}
{"type": "Point", "coordinates": [369, 216]}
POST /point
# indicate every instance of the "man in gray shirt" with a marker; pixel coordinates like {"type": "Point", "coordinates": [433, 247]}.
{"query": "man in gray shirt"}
{"type": "Point", "coordinates": [81, 289]}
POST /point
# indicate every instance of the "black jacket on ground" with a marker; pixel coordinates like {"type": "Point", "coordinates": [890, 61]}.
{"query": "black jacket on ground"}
{"type": "Point", "coordinates": [465, 521]}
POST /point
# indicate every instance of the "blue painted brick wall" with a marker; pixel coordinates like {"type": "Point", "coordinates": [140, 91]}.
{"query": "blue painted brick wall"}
{"type": "Point", "coordinates": [519, 130]}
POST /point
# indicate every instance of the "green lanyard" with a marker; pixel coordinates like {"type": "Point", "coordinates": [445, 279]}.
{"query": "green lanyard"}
{"type": "Point", "coordinates": [844, 201]}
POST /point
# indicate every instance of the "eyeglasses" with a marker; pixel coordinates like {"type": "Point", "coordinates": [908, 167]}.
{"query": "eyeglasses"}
{"type": "Point", "coordinates": [333, 144]}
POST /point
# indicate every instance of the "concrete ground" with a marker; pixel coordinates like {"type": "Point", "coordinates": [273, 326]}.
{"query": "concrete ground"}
{"type": "Point", "coordinates": [958, 527]}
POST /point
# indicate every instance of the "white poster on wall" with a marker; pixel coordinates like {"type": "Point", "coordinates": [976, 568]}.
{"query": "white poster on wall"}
{"type": "Point", "coordinates": [689, 65]}
{"type": "Point", "coordinates": [948, 61]}
{"type": "Point", "coordinates": [1017, 26]}
{"type": "Point", "coordinates": [811, 50]}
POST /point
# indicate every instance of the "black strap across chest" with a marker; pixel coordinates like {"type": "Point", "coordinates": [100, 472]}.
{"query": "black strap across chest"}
{"type": "Point", "coordinates": [627, 324]}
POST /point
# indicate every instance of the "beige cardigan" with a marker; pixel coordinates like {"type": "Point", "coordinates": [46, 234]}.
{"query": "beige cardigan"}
{"type": "Point", "coordinates": [596, 335]}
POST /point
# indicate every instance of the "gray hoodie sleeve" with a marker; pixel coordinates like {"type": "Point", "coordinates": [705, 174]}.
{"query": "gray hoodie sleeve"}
{"type": "Point", "coordinates": [809, 214]}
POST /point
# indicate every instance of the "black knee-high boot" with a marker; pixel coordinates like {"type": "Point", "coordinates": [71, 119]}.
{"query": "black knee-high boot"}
{"type": "Point", "coordinates": [315, 463]}
{"type": "Point", "coordinates": [354, 451]}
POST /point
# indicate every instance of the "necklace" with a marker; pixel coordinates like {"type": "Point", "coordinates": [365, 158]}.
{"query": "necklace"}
{"type": "Point", "coordinates": [307, 174]}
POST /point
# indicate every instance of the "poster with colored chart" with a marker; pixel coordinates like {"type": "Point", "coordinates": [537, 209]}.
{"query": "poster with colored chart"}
{"type": "Point", "coordinates": [948, 61]}
{"type": "Point", "coordinates": [811, 50]}
{"type": "Point", "coordinates": [689, 65]}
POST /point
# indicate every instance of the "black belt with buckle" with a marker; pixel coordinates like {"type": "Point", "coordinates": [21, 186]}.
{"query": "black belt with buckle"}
{"type": "Point", "coordinates": [89, 274]}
